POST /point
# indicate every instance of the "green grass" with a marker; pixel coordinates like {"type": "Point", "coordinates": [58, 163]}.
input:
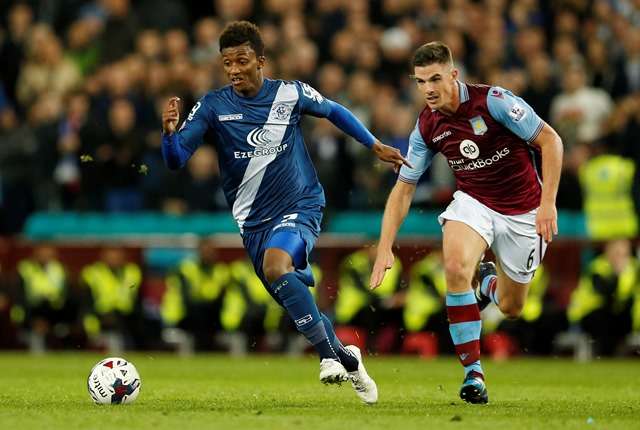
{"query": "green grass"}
{"type": "Point", "coordinates": [272, 392]}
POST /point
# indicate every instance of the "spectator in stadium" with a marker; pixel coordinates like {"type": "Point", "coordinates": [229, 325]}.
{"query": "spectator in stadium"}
{"type": "Point", "coordinates": [632, 59]}
{"type": "Point", "coordinates": [541, 86]}
{"type": "Point", "coordinates": [18, 149]}
{"type": "Point", "coordinates": [198, 188]}
{"type": "Point", "coordinates": [464, 122]}
{"type": "Point", "coordinates": [111, 302]}
{"type": "Point", "coordinates": [580, 112]}
{"type": "Point", "coordinates": [13, 47]}
{"type": "Point", "coordinates": [84, 50]}
{"type": "Point", "coordinates": [120, 27]}
{"type": "Point", "coordinates": [376, 315]}
{"type": "Point", "coordinates": [205, 49]}
{"type": "Point", "coordinates": [61, 144]}
{"type": "Point", "coordinates": [117, 159]}
{"type": "Point", "coordinates": [270, 183]}
{"type": "Point", "coordinates": [47, 70]}
{"type": "Point", "coordinates": [625, 132]}
{"type": "Point", "coordinates": [43, 303]}
{"type": "Point", "coordinates": [194, 295]}
{"type": "Point", "coordinates": [601, 304]}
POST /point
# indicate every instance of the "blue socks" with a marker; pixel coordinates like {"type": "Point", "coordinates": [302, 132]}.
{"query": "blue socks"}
{"type": "Point", "coordinates": [301, 307]}
{"type": "Point", "coordinates": [348, 360]}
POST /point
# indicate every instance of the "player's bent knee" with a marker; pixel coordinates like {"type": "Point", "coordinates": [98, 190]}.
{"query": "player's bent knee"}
{"type": "Point", "coordinates": [273, 272]}
{"type": "Point", "coordinates": [456, 272]}
{"type": "Point", "coordinates": [511, 310]}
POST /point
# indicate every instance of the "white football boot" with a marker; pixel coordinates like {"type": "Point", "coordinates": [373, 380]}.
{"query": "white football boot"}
{"type": "Point", "coordinates": [332, 371]}
{"type": "Point", "coordinates": [364, 385]}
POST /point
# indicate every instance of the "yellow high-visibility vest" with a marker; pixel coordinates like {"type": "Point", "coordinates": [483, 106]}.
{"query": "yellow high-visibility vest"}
{"type": "Point", "coordinates": [203, 284]}
{"type": "Point", "coordinates": [585, 299]}
{"type": "Point", "coordinates": [43, 283]}
{"type": "Point", "coordinates": [46, 283]}
{"type": "Point", "coordinates": [422, 302]}
{"type": "Point", "coordinates": [244, 285]}
{"type": "Point", "coordinates": [534, 303]}
{"type": "Point", "coordinates": [607, 182]}
{"type": "Point", "coordinates": [353, 291]}
{"type": "Point", "coordinates": [112, 291]}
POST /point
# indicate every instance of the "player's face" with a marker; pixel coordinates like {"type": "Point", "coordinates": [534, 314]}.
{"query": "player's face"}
{"type": "Point", "coordinates": [437, 82]}
{"type": "Point", "coordinates": [243, 68]}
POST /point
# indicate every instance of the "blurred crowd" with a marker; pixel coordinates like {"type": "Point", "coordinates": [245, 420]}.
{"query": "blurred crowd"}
{"type": "Point", "coordinates": [205, 302]}
{"type": "Point", "coordinates": [82, 82]}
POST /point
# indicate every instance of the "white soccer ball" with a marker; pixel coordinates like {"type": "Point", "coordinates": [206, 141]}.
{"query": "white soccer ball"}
{"type": "Point", "coordinates": [114, 380]}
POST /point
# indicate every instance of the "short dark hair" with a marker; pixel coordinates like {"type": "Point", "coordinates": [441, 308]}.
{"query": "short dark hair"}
{"type": "Point", "coordinates": [432, 52]}
{"type": "Point", "coordinates": [238, 33]}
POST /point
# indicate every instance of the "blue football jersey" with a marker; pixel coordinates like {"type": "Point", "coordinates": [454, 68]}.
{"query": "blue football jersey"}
{"type": "Point", "coordinates": [265, 167]}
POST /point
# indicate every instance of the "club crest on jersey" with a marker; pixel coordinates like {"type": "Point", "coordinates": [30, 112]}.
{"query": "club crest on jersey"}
{"type": "Point", "coordinates": [478, 125]}
{"type": "Point", "coordinates": [281, 112]}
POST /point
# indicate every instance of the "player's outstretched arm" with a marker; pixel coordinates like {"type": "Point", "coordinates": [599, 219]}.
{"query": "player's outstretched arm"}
{"type": "Point", "coordinates": [551, 147]}
{"type": "Point", "coordinates": [395, 212]}
{"type": "Point", "coordinates": [346, 121]}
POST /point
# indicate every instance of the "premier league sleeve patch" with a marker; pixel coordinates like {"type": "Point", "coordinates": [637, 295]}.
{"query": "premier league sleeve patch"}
{"type": "Point", "coordinates": [517, 112]}
{"type": "Point", "coordinates": [478, 125]}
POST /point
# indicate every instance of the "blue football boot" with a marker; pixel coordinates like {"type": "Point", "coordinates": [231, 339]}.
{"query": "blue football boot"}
{"type": "Point", "coordinates": [473, 389]}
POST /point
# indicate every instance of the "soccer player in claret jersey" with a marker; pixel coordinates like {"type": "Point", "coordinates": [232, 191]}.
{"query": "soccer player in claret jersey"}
{"type": "Point", "coordinates": [270, 183]}
{"type": "Point", "coordinates": [495, 144]}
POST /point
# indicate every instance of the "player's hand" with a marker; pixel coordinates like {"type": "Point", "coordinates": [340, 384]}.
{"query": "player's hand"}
{"type": "Point", "coordinates": [547, 221]}
{"type": "Point", "coordinates": [171, 115]}
{"type": "Point", "coordinates": [384, 262]}
{"type": "Point", "coordinates": [390, 155]}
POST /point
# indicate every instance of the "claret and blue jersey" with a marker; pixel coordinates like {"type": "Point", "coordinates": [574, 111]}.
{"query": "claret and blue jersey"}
{"type": "Point", "coordinates": [487, 145]}
{"type": "Point", "coordinates": [265, 167]}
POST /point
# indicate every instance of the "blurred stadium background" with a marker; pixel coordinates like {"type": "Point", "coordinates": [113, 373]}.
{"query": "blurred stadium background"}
{"type": "Point", "coordinates": [103, 248]}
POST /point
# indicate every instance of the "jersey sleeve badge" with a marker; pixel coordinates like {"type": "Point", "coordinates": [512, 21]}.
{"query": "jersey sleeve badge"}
{"type": "Point", "coordinates": [517, 112]}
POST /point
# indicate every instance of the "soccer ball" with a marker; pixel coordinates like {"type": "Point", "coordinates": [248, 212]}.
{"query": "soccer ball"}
{"type": "Point", "coordinates": [114, 380]}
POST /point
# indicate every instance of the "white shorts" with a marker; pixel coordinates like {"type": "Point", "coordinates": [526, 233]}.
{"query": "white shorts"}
{"type": "Point", "coordinates": [512, 238]}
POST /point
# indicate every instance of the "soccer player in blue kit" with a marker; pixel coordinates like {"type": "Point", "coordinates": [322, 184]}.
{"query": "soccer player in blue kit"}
{"type": "Point", "coordinates": [271, 185]}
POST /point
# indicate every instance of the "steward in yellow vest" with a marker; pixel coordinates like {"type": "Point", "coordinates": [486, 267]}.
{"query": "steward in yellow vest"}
{"type": "Point", "coordinates": [111, 295]}
{"type": "Point", "coordinates": [194, 295]}
{"type": "Point", "coordinates": [42, 298]}
{"type": "Point", "coordinates": [424, 304]}
{"type": "Point", "coordinates": [601, 304]}
{"type": "Point", "coordinates": [357, 305]}
{"type": "Point", "coordinates": [541, 319]}
{"type": "Point", "coordinates": [247, 306]}
{"type": "Point", "coordinates": [607, 182]}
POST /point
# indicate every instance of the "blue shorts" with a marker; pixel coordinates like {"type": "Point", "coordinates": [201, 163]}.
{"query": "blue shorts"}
{"type": "Point", "coordinates": [295, 233]}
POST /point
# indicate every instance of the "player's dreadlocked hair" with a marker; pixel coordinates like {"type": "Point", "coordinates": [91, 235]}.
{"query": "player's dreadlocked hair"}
{"type": "Point", "coordinates": [240, 32]}
{"type": "Point", "coordinates": [430, 53]}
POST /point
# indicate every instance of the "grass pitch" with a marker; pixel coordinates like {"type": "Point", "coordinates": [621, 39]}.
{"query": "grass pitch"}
{"type": "Point", "coordinates": [273, 392]}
